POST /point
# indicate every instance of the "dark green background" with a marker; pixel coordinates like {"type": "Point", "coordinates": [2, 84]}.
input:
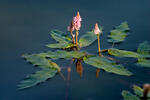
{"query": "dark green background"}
{"type": "Point", "coordinates": [24, 28]}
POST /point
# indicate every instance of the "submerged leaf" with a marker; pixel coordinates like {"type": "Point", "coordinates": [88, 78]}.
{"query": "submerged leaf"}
{"type": "Point", "coordinates": [118, 34]}
{"type": "Point", "coordinates": [128, 96]}
{"type": "Point", "coordinates": [38, 77]}
{"type": "Point", "coordinates": [63, 54]}
{"type": "Point", "coordinates": [123, 53]}
{"type": "Point", "coordinates": [87, 39]}
{"type": "Point", "coordinates": [107, 65]}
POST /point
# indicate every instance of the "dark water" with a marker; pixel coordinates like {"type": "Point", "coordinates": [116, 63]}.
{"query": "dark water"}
{"type": "Point", "coordinates": [24, 28]}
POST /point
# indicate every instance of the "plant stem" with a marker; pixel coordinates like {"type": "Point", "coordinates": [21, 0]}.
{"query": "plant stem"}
{"type": "Point", "coordinates": [77, 38]}
{"type": "Point", "coordinates": [73, 40]}
{"type": "Point", "coordinates": [71, 33]}
{"type": "Point", "coordinates": [105, 50]}
{"type": "Point", "coordinates": [61, 74]}
{"type": "Point", "coordinates": [113, 45]}
{"type": "Point", "coordinates": [99, 50]}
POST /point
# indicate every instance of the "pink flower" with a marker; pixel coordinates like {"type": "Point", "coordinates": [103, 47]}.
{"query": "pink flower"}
{"type": "Point", "coordinates": [96, 30]}
{"type": "Point", "coordinates": [71, 27]}
{"type": "Point", "coordinates": [77, 21]}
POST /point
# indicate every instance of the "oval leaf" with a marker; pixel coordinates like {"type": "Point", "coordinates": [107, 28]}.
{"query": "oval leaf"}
{"type": "Point", "coordinates": [87, 39]}
{"type": "Point", "coordinates": [63, 54]}
{"type": "Point", "coordinates": [118, 34]}
{"type": "Point", "coordinates": [128, 96]}
{"type": "Point", "coordinates": [38, 77]}
{"type": "Point", "coordinates": [144, 48]}
{"type": "Point", "coordinates": [60, 36]}
{"type": "Point", "coordinates": [124, 53]}
{"type": "Point", "coordinates": [107, 65]}
{"type": "Point", "coordinates": [138, 90]}
{"type": "Point", "coordinates": [143, 62]}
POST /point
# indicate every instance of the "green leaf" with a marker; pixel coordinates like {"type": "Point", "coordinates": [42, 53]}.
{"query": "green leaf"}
{"type": "Point", "coordinates": [38, 77]}
{"type": "Point", "coordinates": [107, 65]}
{"type": "Point", "coordinates": [60, 36]}
{"type": "Point", "coordinates": [144, 48]}
{"type": "Point", "coordinates": [63, 54]}
{"type": "Point", "coordinates": [63, 40]}
{"type": "Point", "coordinates": [49, 69]}
{"type": "Point", "coordinates": [123, 26]}
{"type": "Point", "coordinates": [41, 61]}
{"type": "Point", "coordinates": [128, 96]}
{"type": "Point", "coordinates": [124, 53]}
{"type": "Point", "coordinates": [138, 90]}
{"type": "Point", "coordinates": [61, 45]}
{"type": "Point", "coordinates": [143, 62]}
{"type": "Point", "coordinates": [118, 34]}
{"type": "Point", "coordinates": [87, 39]}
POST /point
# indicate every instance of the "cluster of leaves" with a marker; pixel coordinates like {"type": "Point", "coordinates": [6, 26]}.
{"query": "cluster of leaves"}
{"type": "Point", "coordinates": [138, 94]}
{"type": "Point", "coordinates": [64, 43]}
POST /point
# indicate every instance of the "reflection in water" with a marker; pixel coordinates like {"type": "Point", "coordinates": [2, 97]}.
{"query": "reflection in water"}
{"type": "Point", "coordinates": [79, 67]}
{"type": "Point", "coordinates": [97, 73]}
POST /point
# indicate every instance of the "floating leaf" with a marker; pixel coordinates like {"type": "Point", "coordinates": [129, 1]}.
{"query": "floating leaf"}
{"type": "Point", "coordinates": [123, 53]}
{"type": "Point", "coordinates": [63, 54]}
{"type": "Point", "coordinates": [38, 77]}
{"type": "Point", "coordinates": [87, 39]}
{"type": "Point", "coordinates": [128, 96]}
{"type": "Point", "coordinates": [118, 34]}
{"type": "Point", "coordinates": [138, 90]}
{"type": "Point", "coordinates": [63, 40]}
{"type": "Point", "coordinates": [49, 69]}
{"type": "Point", "coordinates": [144, 48]}
{"type": "Point", "coordinates": [123, 27]}
{"type": "Point", "coordinates": [41, 61]}
{"type": "Point", "coordinates": [60, 36]}
{"type": "Point", "coordinates": [61, 45]}
{"type": "Point", "coordinates": [138, 94]}
{"type": "Point", "coordinates": [143, 62]}
{"type": "Point", "coordinates": [107, 65]}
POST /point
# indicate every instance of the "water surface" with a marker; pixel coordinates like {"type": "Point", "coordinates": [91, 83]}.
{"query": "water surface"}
{"type": "Point", "coordinates": [24, 28]}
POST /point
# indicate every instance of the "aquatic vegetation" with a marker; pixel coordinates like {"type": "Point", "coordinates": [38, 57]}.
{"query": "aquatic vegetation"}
{"type": "Point", "coordinates": [139, 93]}
{"type": "Point", "coordinates": [68, 46]}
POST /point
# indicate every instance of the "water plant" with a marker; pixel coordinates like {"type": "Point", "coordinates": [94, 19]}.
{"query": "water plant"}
{"type": "Point", "coordinates": [139, 93]}
{"type": "Point", "coordinates": [68, 46]}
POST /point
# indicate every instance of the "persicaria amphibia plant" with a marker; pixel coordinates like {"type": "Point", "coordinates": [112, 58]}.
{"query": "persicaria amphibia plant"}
{"type": "Point", "coordinates": [68, 46]}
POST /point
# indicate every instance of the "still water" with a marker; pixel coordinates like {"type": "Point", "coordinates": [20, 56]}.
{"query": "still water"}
{"type": "Point", "coordinates": [24, 28]}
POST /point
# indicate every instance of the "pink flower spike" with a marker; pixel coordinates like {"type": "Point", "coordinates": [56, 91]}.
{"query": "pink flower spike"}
{"type": "Point", "coordinates": [96, 30]}
{"type": "Point", "coordinates": [77, 21]}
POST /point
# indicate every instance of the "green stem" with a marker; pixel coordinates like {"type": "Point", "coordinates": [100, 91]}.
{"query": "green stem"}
{"type": "Point", "coordinates": [61, 74]}
{"type": "Point", "coordinates": [72, 37]}
{"type": "Point", "coordinates": [113, 44]}
{"type": "Point", "coordinates": [99, 50]}
{"type": "Point", "coordinates": [77, 38]}
{"type": "Point", "coordinates": [71, 33]}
